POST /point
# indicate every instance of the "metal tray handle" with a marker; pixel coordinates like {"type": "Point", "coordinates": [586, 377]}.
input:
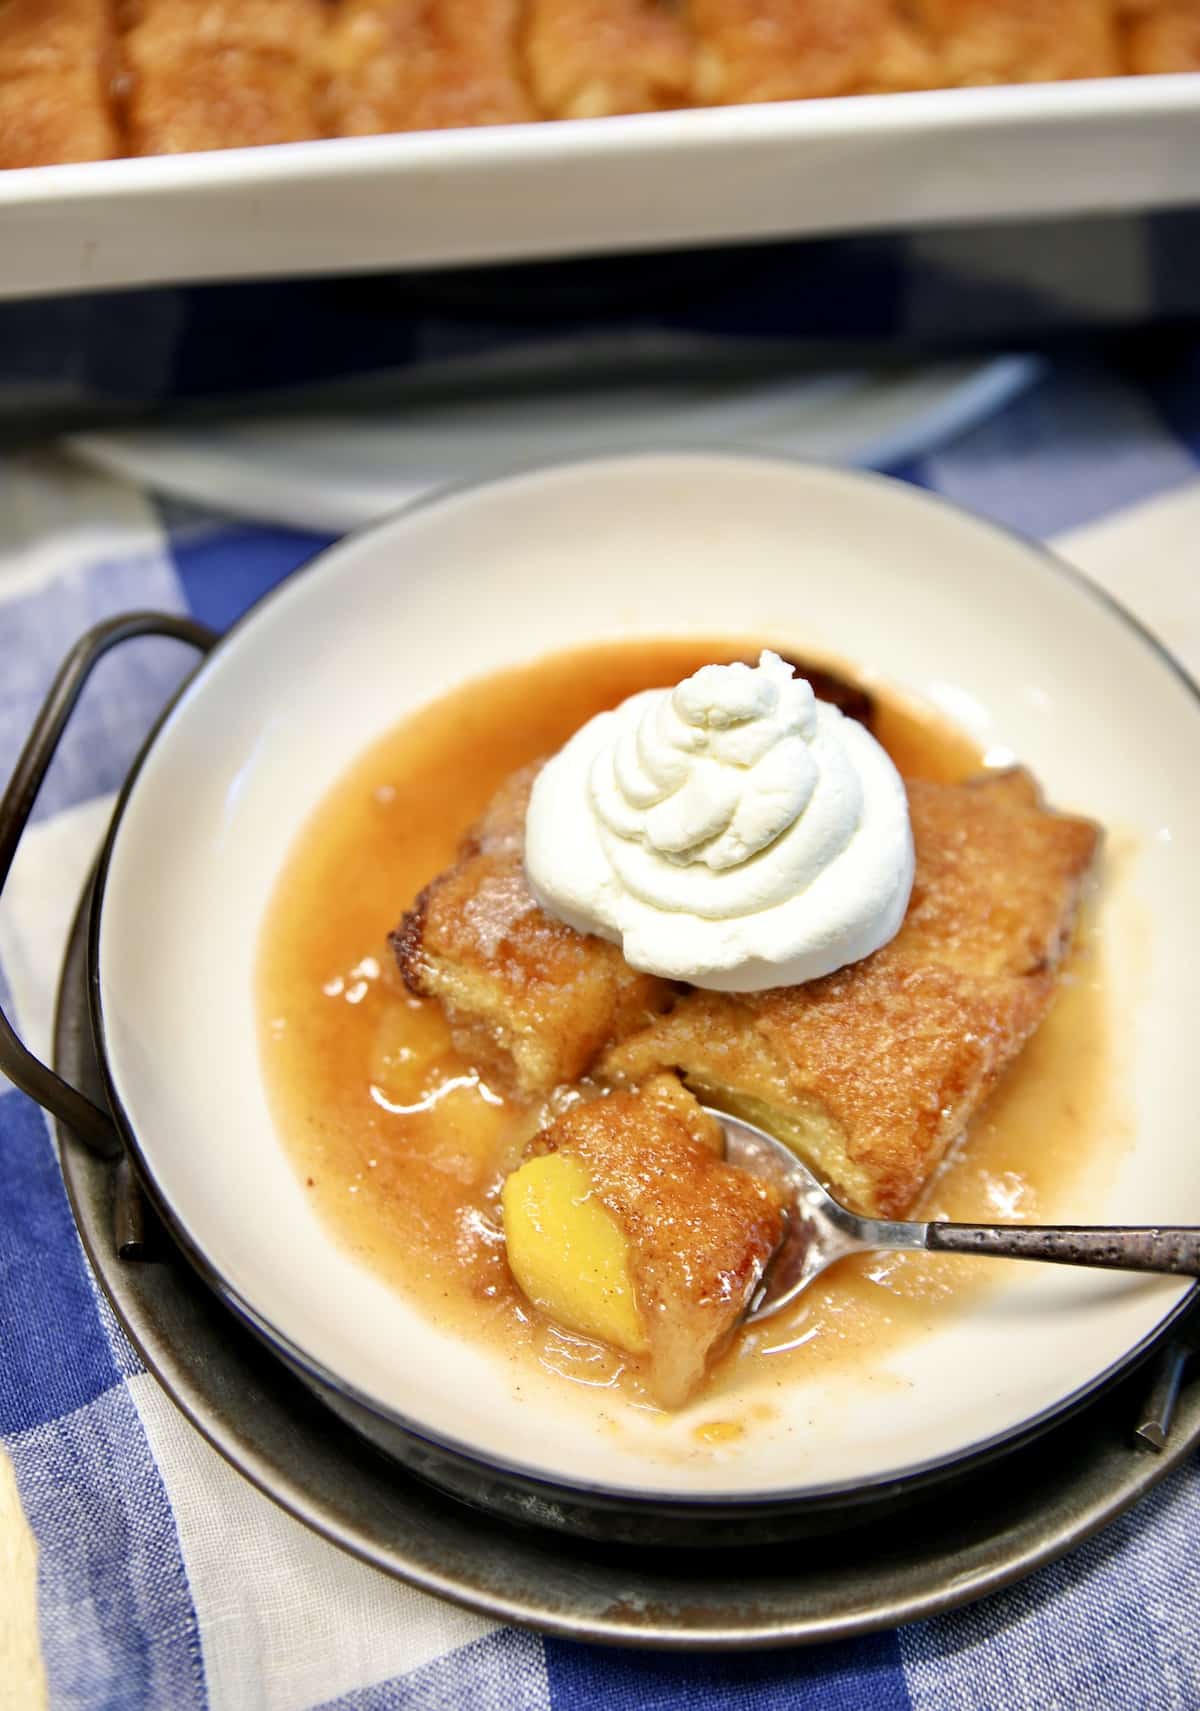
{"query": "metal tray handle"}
{"type": "Point", "coordinates": [92, 1125]}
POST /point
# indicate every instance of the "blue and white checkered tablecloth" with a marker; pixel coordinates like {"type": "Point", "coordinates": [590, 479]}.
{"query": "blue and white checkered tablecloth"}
{"type": "Point", "coordinates": [164, 1579]}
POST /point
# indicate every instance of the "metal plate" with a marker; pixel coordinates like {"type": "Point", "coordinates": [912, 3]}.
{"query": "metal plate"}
{"type": "Point", "coordinates": [967, 1539]}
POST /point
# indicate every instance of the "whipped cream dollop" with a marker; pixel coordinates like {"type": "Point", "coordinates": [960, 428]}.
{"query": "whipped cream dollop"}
{"type": "Point", "coordinates": [733, 832]}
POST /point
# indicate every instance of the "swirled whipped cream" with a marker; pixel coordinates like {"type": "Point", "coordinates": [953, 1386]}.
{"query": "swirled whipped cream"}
{"type": "Point", "coordinates": [733, 832]}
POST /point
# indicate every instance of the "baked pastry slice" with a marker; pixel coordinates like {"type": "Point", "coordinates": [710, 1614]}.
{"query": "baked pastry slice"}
{"type": "Point", "coordinates": [56, 71]}
{"type": "Point", "coordinates": [626, 1224]}
{"type": "Point", "coordinates": [1021, 41]}
{"type": "Point", "coordinates": [786, 50]}
{"type": "Point", "coordinates": [529, 1000]}
{"type": "Point", "coordinates": [999, 877]}
{"type": "Point", "coordinates": [590, 58]}
{"type": "Point", "coordinates": [1162, 35]}
{"type": "Point", "coordinates": [873, 1073]}
{"type": "Point", "coordinates": [423, 65]}
{"type": "Point", "coordinates": [217, 74]}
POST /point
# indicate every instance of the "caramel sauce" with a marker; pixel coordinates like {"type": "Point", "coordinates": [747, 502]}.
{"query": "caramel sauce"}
{"type": "Point", "coordinates": [403, 1146]}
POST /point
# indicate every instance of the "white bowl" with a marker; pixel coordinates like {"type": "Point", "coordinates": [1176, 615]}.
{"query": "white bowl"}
{"type": "Point", "coordinates": [975, 621]}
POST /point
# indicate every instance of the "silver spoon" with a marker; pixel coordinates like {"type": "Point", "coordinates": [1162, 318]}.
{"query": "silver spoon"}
{"type": "Point", "coordinates": [819, 1230]}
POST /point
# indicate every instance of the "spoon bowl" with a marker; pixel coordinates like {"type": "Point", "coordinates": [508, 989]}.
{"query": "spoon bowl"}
{"type": "Point", "coordinates": [819, 1230]}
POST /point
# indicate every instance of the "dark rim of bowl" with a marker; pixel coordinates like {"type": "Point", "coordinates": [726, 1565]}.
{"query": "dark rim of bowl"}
{"type": "Point", "coordinates": [529, 1477]}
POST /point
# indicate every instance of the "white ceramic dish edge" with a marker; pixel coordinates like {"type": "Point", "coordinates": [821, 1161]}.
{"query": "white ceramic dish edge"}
{"type": "Point", "coordinates": [650, 181]}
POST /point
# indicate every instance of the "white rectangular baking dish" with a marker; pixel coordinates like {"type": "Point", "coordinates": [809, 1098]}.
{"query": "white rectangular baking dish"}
{"type": "Point", "coordinates": [650, 181]}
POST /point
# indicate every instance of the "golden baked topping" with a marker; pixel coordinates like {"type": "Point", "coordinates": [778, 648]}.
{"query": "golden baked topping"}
{"type": "Point", "coordinates": [114, 77]}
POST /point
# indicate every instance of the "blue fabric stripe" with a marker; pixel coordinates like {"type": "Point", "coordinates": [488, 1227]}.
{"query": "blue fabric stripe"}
{"type": "Point", "coordinates": [43, 1284]}
{"type": "Point", "coordinates": [914, 470]}
{"type": "Point", "coordinates": [118, 1627]}
{"type": "Point", "coordinates": [1078, 446]}
{"type": "Point", "coordinates": [224, 572]}
{"type": "Point", "coordinates": [125, 1357]}
{"type": "Point", "coordinates": [1112, 1626]}
{"type": "Point", "coordinates": [502, 1672]}
{"type": "Point", "coordinates": [127, 693]}
{"type": "Point", "coordinates": [851, 1675]}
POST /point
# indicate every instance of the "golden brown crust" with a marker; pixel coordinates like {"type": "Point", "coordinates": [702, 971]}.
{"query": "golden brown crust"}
{"type": "Point", "coordinates": [213, 74]}
{"type": "Point", "coordinates": [56, 70]}
{"type": "Point", "coordinates": [700, 1231]}
{"type": "Point", "coordinates": [782, 50]}
{"type": "Point", "coordinates": [1022, 41]}
{"type": "Point", "coordinates": [529, 999]}
{"type": "Point", "coordinates": [590, 58]}
{"type": "Point", "coordinates": [872, 1073]}
{"type": "Point", "coordinates": [424, 65]}
{"type": "Point", "coordinates": [201, 74]}
{"type": "Point", "coordinates": [875, 1071]}
{"type": "Point", "coordinates": [998, 878]}
{"type": "Point", "coordinates": [1162, 36]}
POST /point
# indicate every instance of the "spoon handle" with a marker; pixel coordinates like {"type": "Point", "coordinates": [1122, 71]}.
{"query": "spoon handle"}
{"type": "Point", "coordinates": [1149, 1248]}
